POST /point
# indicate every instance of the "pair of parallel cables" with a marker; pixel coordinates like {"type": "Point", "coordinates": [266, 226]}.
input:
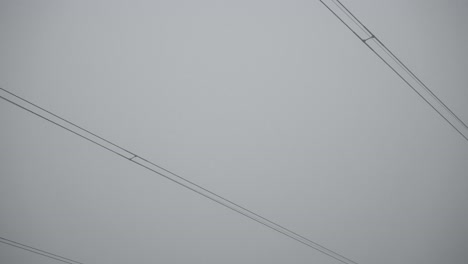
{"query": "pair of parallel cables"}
{"type": "Point", "coordinates": [353, 24]}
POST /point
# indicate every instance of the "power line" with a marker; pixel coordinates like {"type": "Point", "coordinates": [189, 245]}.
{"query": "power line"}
{"type": "Point", "coordinates": [122, 152]}
{"type": "Point", "coordinates": [148, 165]}
{"type": "Point", "coordinates": [66, 121]}
{"type": "Point", "coordinates": [396, 65]}
{"type": "Point", "coordinates": [38, 251]}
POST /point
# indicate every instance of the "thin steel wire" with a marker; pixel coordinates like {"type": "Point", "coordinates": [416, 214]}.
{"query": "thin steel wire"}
{"type": "Point", "coordinates": [398, 61]}
{"type": "Point", "coordinates": [38, 251]}
{"type": "Point", "coordinates": [186, 183]}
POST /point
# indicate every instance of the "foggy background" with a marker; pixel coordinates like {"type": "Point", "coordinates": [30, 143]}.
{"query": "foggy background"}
{"type": "Point", "coordinates": [272, 104]}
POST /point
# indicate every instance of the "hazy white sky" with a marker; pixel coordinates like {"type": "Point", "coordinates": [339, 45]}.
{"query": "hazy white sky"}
{"type": "Point", "coordinates": [273, 104]}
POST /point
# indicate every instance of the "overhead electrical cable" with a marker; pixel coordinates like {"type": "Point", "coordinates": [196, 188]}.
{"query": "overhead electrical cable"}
{"type": "Point", "coordinates": [395, 64]}
{"type": "Point", "coordinates": [38, 251]}
{"type": "Point", "coordinates": [142, 162]}
{"type": "Point", "coordinates": [356, 27]}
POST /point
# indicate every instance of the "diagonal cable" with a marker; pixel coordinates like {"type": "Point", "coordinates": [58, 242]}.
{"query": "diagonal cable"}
{"type": "Point", "coordinates": [153, 167]}
{"type": "Point", "coordinates": [38, 251]}
{"type": "Point", "coordinates": [389, 58]}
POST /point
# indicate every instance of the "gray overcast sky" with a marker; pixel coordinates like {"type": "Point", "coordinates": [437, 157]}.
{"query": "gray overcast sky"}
{"type": "Point", "coordinates": [273, 104]}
